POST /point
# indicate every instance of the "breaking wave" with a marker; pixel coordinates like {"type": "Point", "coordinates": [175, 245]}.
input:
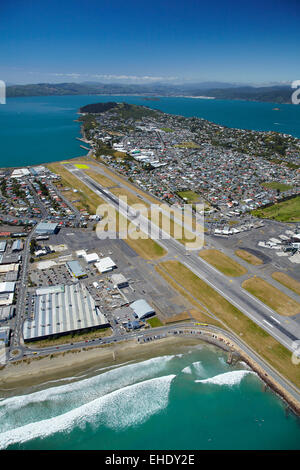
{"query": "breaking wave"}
{"type": "Point", "coordinates": [57, 400]}
{"type": "Point", "coordinates": [227, 378]}
{"type": "Point", "coordinates": [129, 406]}
{"type": "Point", "coordinates": [196, 368]}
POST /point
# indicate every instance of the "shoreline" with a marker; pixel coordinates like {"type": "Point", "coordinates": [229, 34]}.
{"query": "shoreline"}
{"type": "Point", "coordinates": [154, 96]}
{"type": "Point", "coordinates": [20, 376]}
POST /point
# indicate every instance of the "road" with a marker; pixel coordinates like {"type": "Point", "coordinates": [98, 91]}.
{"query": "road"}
{"type": "Point", "coordinates": [230, 289]}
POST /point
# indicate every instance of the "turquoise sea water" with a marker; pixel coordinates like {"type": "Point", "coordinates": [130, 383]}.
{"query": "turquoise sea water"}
{"type": "Point", "coordinates": [42, 129]}
{"type": "Point", "coordinates": [187, 400]}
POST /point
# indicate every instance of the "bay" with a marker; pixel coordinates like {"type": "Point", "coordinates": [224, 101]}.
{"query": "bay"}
{"type": "Point", "coordinates": [36, 130]}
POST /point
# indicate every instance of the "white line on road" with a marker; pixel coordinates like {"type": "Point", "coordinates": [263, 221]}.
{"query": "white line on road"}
{"type": "Point", "coordinates": [275, 319]}
{"type": "Point", "coordinates": [268, 323]}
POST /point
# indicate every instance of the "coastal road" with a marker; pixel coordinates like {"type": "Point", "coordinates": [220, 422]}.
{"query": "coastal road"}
{"type": "Point", "coordinates": [190, 329]}
{"type": "Point", "coordinates": [258, 312]}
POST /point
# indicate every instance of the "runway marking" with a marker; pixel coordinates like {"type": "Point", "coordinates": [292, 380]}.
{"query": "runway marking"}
{"type": "Point", "coordinates": [268, 323]}
{"type": "Point", "coordinates": [275, 319]}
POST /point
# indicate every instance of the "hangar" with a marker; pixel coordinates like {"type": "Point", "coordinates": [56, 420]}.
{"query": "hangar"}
{"type": "Point", "coordinates": [142, 309]}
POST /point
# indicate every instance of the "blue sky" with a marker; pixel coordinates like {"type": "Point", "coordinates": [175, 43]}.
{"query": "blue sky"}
{"type": "Point", "coordinates": [136, 41]}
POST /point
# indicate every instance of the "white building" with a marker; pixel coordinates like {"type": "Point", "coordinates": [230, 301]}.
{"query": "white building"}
{"type": "Point", "coordinates": [91, 258]}
{"type": "Point", "coordinates": [119, 281]}
{"type": "Point", "coordinates": [105, 265]}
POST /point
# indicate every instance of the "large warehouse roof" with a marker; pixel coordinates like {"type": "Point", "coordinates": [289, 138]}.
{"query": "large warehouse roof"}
{"type": "Point", "coordinates": [50, 290]}
{"type": "Point", "coordinates": [7, 287]}
{"type": "Point", "coordinates": [142, 309]}
{"type": "Point", "coordinates": [62, 312]}
{"type": "Point", "coordinates": [46, 227]}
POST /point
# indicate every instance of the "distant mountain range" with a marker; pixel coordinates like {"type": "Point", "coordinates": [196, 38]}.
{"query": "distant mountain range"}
{"type": "Point", "coordinates": [219, 90]}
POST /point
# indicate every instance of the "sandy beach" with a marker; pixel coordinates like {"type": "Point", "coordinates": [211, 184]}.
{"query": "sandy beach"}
{"type": "Point", "coordinates": [19, 376]}
{"type": "Point", "coordinates": [28, 372]}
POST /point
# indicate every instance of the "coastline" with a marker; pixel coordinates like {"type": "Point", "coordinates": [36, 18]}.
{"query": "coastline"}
{"type": "Point", "coordinates": [27, 372]}
{"type": "Point", "coordinates": [20, 376]}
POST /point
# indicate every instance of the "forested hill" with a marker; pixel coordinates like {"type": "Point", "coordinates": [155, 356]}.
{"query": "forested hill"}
{"type": "Point", "coordinates": [273, 94]}
{"type": "Point", "coordinates": [124, 110]}
{"type": "Point", "coordinates": [98, 108]}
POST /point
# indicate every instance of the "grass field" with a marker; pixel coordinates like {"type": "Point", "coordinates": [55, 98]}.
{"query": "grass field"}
{"type": "Point", "coordinates": [167, 129]}
{"type": "Point", "coordinates": [259, 340]}
{"type": "Point", "coordinates": [154, 321]}
{"type": "Point", "coordinates": [147, 249]}
{"type": "Point", "coordinates": [75, 337]}
{"type": "Point", "coordinates": [189, 196]}
{"type": "Point", "coordinates": [179, 317]}
{"type": "Point", "coordinates": [286, 211]}
{"type": "Point", "coordinates": [131, 198]}
{"type": "Point", "coordinates": [287, 281]}
{"type": "Point", "coordinates": [101, 179]}
{"type": "Point", "coordinates": [271, 296]}
{"type": "Point", "coordinates": [276, 185]}
{"type": "Point", "coordinates": [187, 145]}
{"type": "Point", "coordinates": [223, 263]}
{"type": "Point", "coordinates": [246, 256]}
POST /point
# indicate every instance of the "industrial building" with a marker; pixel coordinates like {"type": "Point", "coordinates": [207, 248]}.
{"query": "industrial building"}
{"type": "Point", "coordinates": [3, 246]}
{"type": "Point", "coordinates": [4, 336]}
{"type": "Point", "coordinates": [105, 265]}
{"type": "Point", "coordinates": [119, 281]}
{"type": "Point", "coordinates": [12, 276]}
{"type": "Point", "coordinates": [5, 268]}
{"type": "Point", "coordinates": [142, 309]}
{"type": "Point", "coordinates": [75, 269]}
{"type": "Point", "coordinates": [6, 313]}
{"type": "Point", "coordinates": [7, 290]}
{"type": "Point", "coordinates": [81, 253]}
{"type": "Point", "coordinates": [46, 228]}
{"type": "Point", "coordinates": [17, 246]}
{"type": "Point", "coordinates": [91, 258]}
{"type": "Point", "coordinates": [61, 310]}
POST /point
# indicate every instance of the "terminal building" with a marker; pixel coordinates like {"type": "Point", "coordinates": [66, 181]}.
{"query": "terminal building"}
{"type": "Point", "coordinates": [61, 310]}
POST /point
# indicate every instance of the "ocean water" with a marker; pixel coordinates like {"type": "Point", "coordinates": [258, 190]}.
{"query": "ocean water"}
{"type": "Point", "coordinates": [191, 399]}
{"type": "Point", "coordinates": [42, 129]}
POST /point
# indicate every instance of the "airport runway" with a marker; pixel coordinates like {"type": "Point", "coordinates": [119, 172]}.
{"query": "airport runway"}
{"type": "Point", "coordinates": [261, 314]}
